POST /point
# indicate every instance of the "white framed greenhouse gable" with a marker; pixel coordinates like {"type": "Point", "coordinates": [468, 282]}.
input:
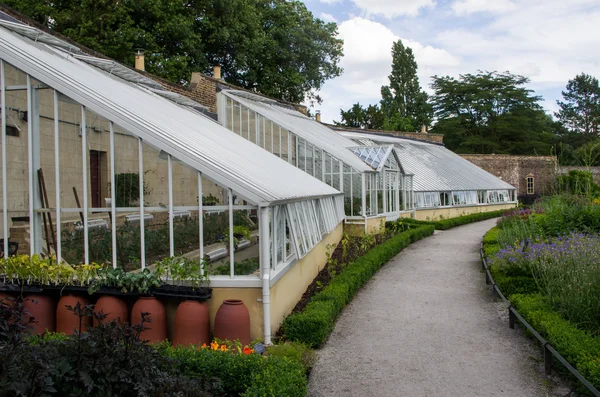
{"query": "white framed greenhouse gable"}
{"type": "Point", "coordinates": [104, 161]}
{"type": "Point", "coordinates": [371, 177]}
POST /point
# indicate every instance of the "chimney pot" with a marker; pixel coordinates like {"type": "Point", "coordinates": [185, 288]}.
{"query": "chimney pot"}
{"type": "Point", "coordinates": [318, 116]}
{"type": "Point", "coordinates": [139, 60]}
{"type": "Point", "coordinates": [217, 72]}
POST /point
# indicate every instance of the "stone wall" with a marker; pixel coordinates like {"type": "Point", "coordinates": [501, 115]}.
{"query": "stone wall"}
{"type": "Point", "coordinates": [516, 169]}
{"type": "Point", "coordinates": [594, 170]}
{"type": "Point", "coordinates": [422, 136]}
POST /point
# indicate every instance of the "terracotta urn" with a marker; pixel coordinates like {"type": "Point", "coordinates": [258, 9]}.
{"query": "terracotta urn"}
{"type": "Point", "coordinates": [233, 322]}
{"type": "Point", "coordinates": [113, 307]}
{"type": "Point", "coordinates": [192, 324]}
{"type": "Point", "coordinates": [66, 320]}
{"type": "Point", "coordinates": [43, 310]}
{"type": "Point", "coordinates": [157, 328]}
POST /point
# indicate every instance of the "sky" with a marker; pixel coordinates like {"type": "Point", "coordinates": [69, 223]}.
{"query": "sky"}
{"type": "Point", "coordinates": [548, 41]}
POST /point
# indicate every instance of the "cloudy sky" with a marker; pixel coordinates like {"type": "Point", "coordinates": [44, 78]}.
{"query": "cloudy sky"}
{"type": "Point", "coordinates": [549, 41]}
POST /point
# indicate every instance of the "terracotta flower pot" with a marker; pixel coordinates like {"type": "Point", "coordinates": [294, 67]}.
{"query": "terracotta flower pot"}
{"type": "Point", "coordinates": [43, 311]}
{"type": "Point", "coordinates": [5, 298]}
{"type": "Point", "coordinates": [192, 324]}
{"type": "Point", "coordinates": [233, 322]}
{"type": "Point", "coordinates": [114, 308]}
{"type": "Point", "coordinates": [157, 329]}
{"type": "Point", "coordinates": [66, 320]}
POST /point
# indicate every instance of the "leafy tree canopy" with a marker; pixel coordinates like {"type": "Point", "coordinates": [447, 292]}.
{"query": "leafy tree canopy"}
{"type": "Point", "coordinates": [275, 46]}
{"type": "Point", "coordinates": [580, 110]}
{"type": "Point", "coordinates": [491, 112]}
{"type": "Point", "coordinates": [403, 106]}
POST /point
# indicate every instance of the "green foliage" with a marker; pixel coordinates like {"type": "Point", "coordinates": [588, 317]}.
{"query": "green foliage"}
{"type": "Point", "coordinates": [239, 374]}
{"type": "Point", "coordinates": [579, 183]}
{"type": "Point", "coordinates": [404, 105]}
{"type": "Point", "coordinates": [490, 112]}
{"type": "Point", "coordinates": [277, 47]}
{"type": "Point", "coordinates": [446, 224]}
{"type": "Point", "coordinates": [140, 282]}
{"type": "Point", "coordinates": [580, 111]}
{"type": "Point", "coordinates": [181, 270]}
{"type": "Point", "coordinates": [294, 351]}
{"type": "Point", "coordinates": [127, 189]}
{"type": "Point", "coordinates": [245, 267]}
{"type": "Point", "coordinates": [578, 347]}
{"type": "Point", "coordinates": [313, 325]}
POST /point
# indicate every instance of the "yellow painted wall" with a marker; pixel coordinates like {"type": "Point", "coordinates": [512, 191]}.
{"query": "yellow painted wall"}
{"type": "Point", "coordinates": [374, 225]}
{"type": "Point", "coordinates": [445, 213]}
{"type": "Point", "coordinates": [288, 290]}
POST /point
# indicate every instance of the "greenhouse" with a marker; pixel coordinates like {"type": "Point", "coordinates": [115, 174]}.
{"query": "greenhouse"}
{"type": "Point", "coordinates": [372, 178]}
{"type": "Point", "coordinates": [442, 179]}
{"type": "Point", "coordinates": [102, 164]}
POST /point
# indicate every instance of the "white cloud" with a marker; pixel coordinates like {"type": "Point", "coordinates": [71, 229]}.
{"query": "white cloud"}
{"type": "Point", "coordinates": [462, 7]}
{"type": "Point", "coordinates": [330, 1]}
{"type": "Point", "coordinates": [367, 63]}
{"type": "Point", "coordinates": [392, 8]}
{"type": "Point", "coordinates": [327, 17]}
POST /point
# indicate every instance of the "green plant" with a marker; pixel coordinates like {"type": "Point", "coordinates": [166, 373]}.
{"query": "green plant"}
{"type": "Point", "coordinates": [127, 189]}
{"type": "Point", "coordinates": [181, 270]}
{"type": "Point", "coordinates": [247, 266]}
{"type": "Point", "coordinates": [294, 351]}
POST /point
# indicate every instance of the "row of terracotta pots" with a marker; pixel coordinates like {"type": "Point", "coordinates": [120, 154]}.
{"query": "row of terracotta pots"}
{"type": "Point", "coordinates": [192, 318]}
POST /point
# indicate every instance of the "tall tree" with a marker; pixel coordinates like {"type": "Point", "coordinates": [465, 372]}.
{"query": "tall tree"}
{"type": "Point", "coordinates": [404, 105]}
{"type": "Point", "coordinates": [274, 46]}
{"type": "Point", "coordinates": [491, 112]}
{"type": "Point", "coordinates": [403, 102]}
{"type": "Point", "coordinates": [580, 110]}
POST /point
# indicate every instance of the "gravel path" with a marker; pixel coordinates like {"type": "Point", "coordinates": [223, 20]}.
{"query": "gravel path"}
{"type": "Point", "coordinates": [426, 325]}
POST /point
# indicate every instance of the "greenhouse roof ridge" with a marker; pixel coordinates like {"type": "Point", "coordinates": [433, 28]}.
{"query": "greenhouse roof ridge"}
{"type": "Point", "coordinates": [197, 141]}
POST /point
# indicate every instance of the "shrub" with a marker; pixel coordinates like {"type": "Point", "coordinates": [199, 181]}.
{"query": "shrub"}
{"type": "Point", "coordinates": [580, 348]}
{"type": "Point", "coordinates": [294, 351]}
{"type": "Point", "coordinates": [313, 325]}
{"type": "Point", "coordinates": [446, 224]}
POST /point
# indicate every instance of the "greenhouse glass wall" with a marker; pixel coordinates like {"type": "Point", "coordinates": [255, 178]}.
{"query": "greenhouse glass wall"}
{"type": "Point", "coordinates": [371, 178]}
{"type": "Point", "coordinates": [441, 177]}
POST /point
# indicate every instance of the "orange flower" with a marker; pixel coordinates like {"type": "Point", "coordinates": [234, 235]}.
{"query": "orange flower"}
{"type": "Point", "coordinates": [247, 350]}
{"type": "Point", "coordinates": [223, 348]}
{"type": "Point", "coordinates": [214, 345]}
{"type": "Point", "coordinates": [204, 346]}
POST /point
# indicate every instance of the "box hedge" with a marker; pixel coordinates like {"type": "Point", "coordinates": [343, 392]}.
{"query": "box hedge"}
{"type": "Point", "coordinates": [313, 325]}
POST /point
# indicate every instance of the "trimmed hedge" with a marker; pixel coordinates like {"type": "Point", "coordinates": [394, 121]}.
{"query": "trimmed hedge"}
{"type": "Point", "coordinates": [227, 374]}
{"type": "Point", "coordinates": [446, 224]}
{"type": "Point", "coordinates": [578, 347]}
{"type": "Point", "coordinates": [313, 325]}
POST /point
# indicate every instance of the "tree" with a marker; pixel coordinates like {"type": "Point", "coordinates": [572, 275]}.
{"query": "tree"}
{"type": "Point", "coordinates": [403, 103]}
{"type": "Point", "coordinates": [491, 112]}
{"type": "Point", "coordinates": [370, 118]}
{"type": "Point", "coordinates": [403, 106]}
{"type": "Point", "coordinates": [274, 46]}
{"type": "Point", "coordinates": [580, 111]}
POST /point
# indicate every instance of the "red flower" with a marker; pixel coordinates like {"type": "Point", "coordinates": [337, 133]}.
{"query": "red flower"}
{"type": "Point", "coordinates": [247, 350]}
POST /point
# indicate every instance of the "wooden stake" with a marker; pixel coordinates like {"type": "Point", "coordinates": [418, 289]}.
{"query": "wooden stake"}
{"type": "Point", "coordinates": [78, 205]}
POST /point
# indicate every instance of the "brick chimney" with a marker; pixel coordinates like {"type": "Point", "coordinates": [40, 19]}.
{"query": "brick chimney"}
{"type": "Point", "coordinates": [318, 116]}
{"type": "Point", "coordinates": [139, 60]}
{"type": "Point", "coordinates": [217, 72]}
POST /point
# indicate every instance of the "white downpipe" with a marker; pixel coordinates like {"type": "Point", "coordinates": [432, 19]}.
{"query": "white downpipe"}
{"type": "Point", "coordinates": [266, 272]}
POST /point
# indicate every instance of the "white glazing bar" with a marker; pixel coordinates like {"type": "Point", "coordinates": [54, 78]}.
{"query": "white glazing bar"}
{"type": "Point", "coordinates": [86, 237]}
{"type": "Point", "coordinates": [57, 177]}
{"type": "Point", "coordinates": [297, 150]}
{"type": "Point", "coordinates": [4, 191]}
{"type": "Point", "coordinates": [141, 189]}
{"type": "Point", "coordinates": [397, 189]}
{"type": "Point", "coordinates": [351, 192]}
{"type": "Point", "coordinates": [113, 200]}
{"type": "Point", "coordinates": [232, 115]}
{"type": "Point", "coordinates": [231, 242]}
{"type": "Point", "coordinates": [314, 161]}
{"type": "Point", "coordinates": [248, 111]}
{"type": "Point", "coordinates": [305, 156]}
{"type": "Point", "coordinates": [200, 223]}
{"type": "Point", "coordinates": [289, 139]}
{"type": "Point", "coordinates": [30, 165]}
{"type": "Point", "coordinates": [364, 194]}
{"type": "Point", "coordinates": [274, 230]}
{"type": "Point", "coordinates": [323, 165]}
{"type": "Point", "coordinates": [171, 237]}
{"type": "Point", "coordinates": [341, 165]}
{"type": "Point", "coordinates": [280, 144]}
{"type": "Point", "coordinates": [384, 193]}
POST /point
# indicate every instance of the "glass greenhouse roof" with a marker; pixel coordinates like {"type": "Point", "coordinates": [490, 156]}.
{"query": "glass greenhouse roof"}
{"type": "Point", "coordinates": [375, 156]}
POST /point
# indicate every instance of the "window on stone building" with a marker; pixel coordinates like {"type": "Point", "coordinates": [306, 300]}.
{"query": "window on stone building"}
{"type": "Point", "coordinates": [530, 184]}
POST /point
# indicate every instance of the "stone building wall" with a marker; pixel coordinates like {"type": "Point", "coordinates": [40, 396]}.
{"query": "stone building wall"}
{"type": "Point", "coordinates": [516, 169]}
{"type": "Point", "coordinates": [563, 170]}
